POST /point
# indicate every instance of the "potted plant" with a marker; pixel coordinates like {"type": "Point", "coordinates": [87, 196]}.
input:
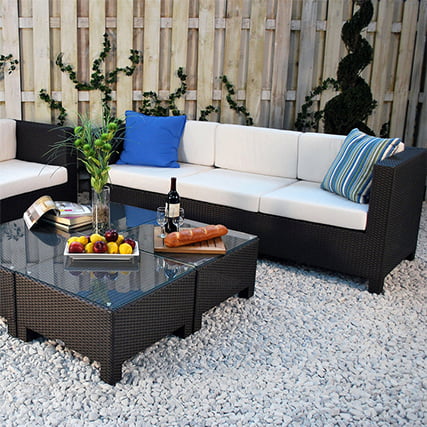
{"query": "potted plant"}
{"type": "Point", "coordinates": [95, 145]}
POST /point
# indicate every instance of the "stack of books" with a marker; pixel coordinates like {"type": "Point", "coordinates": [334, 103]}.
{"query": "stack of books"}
{"type": "Point", "coordinates": [69, 216]}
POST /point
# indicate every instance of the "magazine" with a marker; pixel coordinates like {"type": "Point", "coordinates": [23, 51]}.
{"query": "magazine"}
{"type": "Point", "coordinates": [70, 211]}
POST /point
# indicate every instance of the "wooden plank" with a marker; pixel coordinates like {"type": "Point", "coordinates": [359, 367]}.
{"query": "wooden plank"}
{"type": "Point", "coordinates": [213, 246]}
{"type": "Point", "coordinates": [41, 58]}
{"type": "Point", "coordinates": [124, 44]}
{"type": "Point", "coordinates": [306, 52]}
{"type": "Point", "coordinates": [205, 66]}
{"type": "Point", "coordinates": [333, 46]}
{"type": "Point", "coordinates": [151, 46]}
{"type": "Point", "coordinates": [417, 67]}
{"type": "Point", "coordinates": [232, 55]}
{"type": "Point", "coordinates": [96, 32]}
{"type": "Point", "coordinates": [282, 45]}
{"type": "Point", "coordinates": [11, 44]}
{"type": "Point", "coordinates": [178, 55]}
{"type": "Point", "coordinates": [380, 64]}
{"type": "Point", "coordinates": [402, 79]}
{"type": "Point", "coordinates": [69, 48]}
{"type": "Point", "coordinates": [256, 60]}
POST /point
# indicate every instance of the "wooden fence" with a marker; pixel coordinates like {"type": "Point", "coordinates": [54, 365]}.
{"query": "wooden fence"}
{"type": "Point", "coordinates": [273, 51]}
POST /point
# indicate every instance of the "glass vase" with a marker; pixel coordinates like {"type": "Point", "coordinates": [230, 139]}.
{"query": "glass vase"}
{"type": "Point", "coordinates": [101, 210]}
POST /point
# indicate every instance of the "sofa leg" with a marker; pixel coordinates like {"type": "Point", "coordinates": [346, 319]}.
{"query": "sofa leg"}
{"type": "Point", "coordinates": [376, 285]}
{"type": "Point", "coordinates": [411, 256]}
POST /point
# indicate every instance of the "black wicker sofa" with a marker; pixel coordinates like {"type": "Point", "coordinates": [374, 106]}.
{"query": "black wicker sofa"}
{"type": "Point", "coordinates": [392, 217]}
{"type": "Point", "coordinates": [33, 144]}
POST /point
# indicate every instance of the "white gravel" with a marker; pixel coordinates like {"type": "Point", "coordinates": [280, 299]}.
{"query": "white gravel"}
{"type": "Point", "coordinates": [309, 349]}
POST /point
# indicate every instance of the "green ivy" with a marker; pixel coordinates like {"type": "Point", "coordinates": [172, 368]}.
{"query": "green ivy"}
{"type": "Point", "coordinates": [98, 80]}
{"type": "Point", "coordinates": [240, 109]}
{"type": "Point", "coordinates": [8, 59]}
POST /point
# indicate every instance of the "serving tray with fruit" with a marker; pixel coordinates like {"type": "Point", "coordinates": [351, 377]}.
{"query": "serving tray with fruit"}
{"type": "Point", "coordinates": [110, 246]}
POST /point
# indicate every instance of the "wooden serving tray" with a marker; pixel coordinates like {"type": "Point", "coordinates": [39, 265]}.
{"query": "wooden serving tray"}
{"type": "Point", "coordinates": [213, 246]}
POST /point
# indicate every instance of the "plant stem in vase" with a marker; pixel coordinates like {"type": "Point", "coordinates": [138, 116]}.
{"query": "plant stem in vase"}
{"type": "Point", "coordinates": [101, 210]}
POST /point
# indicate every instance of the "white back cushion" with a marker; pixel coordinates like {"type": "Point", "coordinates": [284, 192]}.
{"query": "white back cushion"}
{"type": "Point", "coordinates": [316, 152]}
{"type": "Point", "coordinates": [257, 150]}
{"type": "Point", "coordinates": [197, 144]}
{"type": "Point", "coordinates": [7, 139]}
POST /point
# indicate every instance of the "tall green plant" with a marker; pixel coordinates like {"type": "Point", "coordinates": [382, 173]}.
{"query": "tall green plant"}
{"type": "Point", "coordinates": [353, 105]}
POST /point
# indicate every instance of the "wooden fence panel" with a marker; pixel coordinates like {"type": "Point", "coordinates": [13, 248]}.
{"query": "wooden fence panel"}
{"type": "Point", "coordinates": [282, 45]}
{"type": "Point", "coordinates": [96, 31]}
{"type": "Point", "coordinates": [12, 82]}
{"type": "Point", "coordinates": [124, 44]}
{"type": "Point", "coordinates": [273, 51]}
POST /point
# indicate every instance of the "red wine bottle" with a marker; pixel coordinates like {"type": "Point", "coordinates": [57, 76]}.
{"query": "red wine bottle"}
{"type": "Point", "coordinates": [172, 207]}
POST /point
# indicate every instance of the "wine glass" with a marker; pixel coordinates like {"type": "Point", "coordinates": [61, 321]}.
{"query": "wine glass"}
{"type": "Point", "coordinates": [161, 220]}
{"type": "Point", "coordinates": [178, 221]}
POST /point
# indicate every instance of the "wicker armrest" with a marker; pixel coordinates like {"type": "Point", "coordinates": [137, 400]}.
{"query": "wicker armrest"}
{"type": "Point", "coordinates": [35, 142]}
{"type": "Point", "coordinates": [396, 200]}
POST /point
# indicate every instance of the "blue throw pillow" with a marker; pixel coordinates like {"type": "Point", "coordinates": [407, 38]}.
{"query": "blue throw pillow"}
{"type": "Point", "coordinates": [350, 174]}
{"type": "Point", "coordinates": [152, 140]}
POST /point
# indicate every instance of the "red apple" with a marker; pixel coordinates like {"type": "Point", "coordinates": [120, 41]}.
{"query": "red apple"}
{"type": "Point", "coordinates": [100, 247]}
{"type": "Point", "coordinates": [130, 242]}
{"type": "Point", "coordinates": [76, 247]}
{"type": "Point", "coordinates": [111, 235]}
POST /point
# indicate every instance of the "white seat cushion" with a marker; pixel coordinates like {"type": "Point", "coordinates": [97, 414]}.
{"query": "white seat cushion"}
{"type": "Point", "coordinates": [197, 144]}
{"type": "Point", "coordinates": [308, 202]}
{"type": "Point", "coordinates": [150, 178]}
{"type": "Point", "coordinates": [258, 150]}
{"type": "Point", "coordinates": [230, 188]}
{"type": "Point", "coordinates": [316, 152]}
{"type": "Point", "coordinates": [18, 177]}
{"type": "Point", "coordinates": [7, 139]}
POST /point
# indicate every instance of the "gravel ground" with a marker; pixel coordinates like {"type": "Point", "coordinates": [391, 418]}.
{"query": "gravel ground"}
{"type": "Point", "coordinates": [309, 349]}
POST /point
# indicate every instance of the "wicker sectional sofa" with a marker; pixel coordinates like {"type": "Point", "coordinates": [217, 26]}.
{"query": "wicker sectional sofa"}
{"type": "Point", "coordinates": [267, 182]}
{"type": "Point", "coordinates": [27, 171]}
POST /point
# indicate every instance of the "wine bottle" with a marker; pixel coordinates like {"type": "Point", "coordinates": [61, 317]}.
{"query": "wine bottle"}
{"type": "Point", "coordinates": [172, 207]}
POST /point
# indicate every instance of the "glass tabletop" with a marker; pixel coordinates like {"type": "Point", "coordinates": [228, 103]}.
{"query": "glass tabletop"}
{"type": "Point", "coordinates": [39, 253]}
{"type": "Point", "coordinates": [106, 283]}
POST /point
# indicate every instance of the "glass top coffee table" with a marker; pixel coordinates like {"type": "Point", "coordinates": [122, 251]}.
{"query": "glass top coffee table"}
{"type": "Point", "coordinates": [108, 310]}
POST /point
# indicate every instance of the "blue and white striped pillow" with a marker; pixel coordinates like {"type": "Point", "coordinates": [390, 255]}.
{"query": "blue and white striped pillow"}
{"type": "Point", "coordinates": [350, 174]}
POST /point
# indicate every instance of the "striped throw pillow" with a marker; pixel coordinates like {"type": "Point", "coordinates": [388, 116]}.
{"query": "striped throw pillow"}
{"type": "Point", "coordinates": [350, 174]}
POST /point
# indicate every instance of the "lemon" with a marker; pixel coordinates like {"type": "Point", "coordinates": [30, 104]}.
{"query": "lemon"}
{"type": "Point", "coordinates": [89, 248]}
{"type": "Point", "coordinates": [125, 248]}
{"type": "Point", "coordinates": [120, 239]}
{"type": "Point", "coordinates": [83, 240]}
{"type": "Point", "coordinates": [72, 239]}
{"type": "Point", "coordinates": [95, 237]}
{"type": "Point", "coordinates": [112, 248]}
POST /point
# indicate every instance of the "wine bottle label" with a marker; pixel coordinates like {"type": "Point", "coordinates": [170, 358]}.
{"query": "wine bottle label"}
{"type": "Point", "coordinates": [172, 210]}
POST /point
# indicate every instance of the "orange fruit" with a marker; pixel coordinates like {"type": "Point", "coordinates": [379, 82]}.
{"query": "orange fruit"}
{"type": "Point", "coordinates": [96, 237]}
{"type": "Point", "coordinates": [89, 248]}
{"type": "Point", "coordinates": [112, 248]}
{"type": "Point", "coordinates": [125, 248]}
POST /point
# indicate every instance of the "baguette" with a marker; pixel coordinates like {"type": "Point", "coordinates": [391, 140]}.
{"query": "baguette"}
{"type": "Point", "coordinates": [194, 235]}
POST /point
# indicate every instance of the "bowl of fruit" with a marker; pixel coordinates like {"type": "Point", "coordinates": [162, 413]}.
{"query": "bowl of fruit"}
{"type": "Point", "coordinates": [110, 246]}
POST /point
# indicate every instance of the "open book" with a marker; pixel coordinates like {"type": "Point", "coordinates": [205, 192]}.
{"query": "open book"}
{"type": "Point", "coordinates": [65, 215]}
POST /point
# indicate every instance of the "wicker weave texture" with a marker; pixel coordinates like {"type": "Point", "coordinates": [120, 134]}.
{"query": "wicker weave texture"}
{"type": "Point", "coordinates": [110, 337]}
{"type": "Point", "coordinates": [7, 300]}
{"type": "Point", "coordinates": [224, 277]}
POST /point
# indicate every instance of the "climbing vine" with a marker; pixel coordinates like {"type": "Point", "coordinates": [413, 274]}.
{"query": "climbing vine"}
{"type": "Point", "coordinates": [353, 105]}
{"type": "Point", "coordinates": [8, 60]}
{"type": "Point", "coordinates": [99, 80]}
{"type": "Point", "coordinates": [151, 103]}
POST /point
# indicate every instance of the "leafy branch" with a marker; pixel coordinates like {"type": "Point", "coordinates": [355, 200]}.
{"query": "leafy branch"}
{"type": "Point", "coordinates": [8, 59]}
{"type": "Point", "coordinates": [98, 80]}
